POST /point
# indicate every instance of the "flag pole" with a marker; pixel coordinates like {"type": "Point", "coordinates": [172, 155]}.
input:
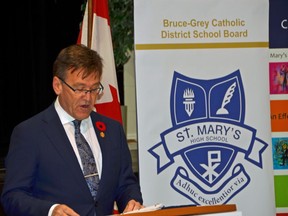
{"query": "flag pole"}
{"type": "Point", "coordinates": [90, 23]}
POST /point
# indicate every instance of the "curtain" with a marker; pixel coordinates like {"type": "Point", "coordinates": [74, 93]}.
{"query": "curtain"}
{"type": "Point", "coordinates": [34, 32]}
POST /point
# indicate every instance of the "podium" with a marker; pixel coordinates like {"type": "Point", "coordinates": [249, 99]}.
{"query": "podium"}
{"type": "Point", "coordinates": [192, 210]}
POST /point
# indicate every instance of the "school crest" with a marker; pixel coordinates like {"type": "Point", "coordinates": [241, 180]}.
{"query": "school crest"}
{"type": "Point", "coordinates": [210, 135]}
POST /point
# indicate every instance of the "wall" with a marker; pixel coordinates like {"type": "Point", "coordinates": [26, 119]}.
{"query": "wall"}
{"type": "Point", "coordinates": [130, 102]}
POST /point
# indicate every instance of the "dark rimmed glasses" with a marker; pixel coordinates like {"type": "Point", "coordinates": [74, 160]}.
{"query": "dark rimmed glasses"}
{"type": "Point", "coordinates": [95, 91]}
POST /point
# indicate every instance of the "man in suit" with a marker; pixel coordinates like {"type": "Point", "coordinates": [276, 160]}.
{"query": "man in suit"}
{"type": "Point", "coordinates": [44, 168]}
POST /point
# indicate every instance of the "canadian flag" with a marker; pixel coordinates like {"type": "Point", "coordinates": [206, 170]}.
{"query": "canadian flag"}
{"type": "Point", "coordinates": [95, 33]}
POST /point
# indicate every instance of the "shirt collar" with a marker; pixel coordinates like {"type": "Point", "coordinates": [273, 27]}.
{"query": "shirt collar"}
{"type": "Point", "coordinates": [64, 116]}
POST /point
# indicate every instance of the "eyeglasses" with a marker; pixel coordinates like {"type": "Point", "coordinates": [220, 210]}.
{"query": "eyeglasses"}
{"type": "Point", "coordinates": [95, 91]}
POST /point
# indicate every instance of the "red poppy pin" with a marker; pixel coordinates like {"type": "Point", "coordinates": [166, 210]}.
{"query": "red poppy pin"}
{"type": "Point", "coordinates": [102, 127]}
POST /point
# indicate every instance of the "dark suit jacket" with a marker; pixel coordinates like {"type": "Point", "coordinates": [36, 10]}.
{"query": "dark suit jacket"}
{"type": "Point", "coordinates": [42, 169]}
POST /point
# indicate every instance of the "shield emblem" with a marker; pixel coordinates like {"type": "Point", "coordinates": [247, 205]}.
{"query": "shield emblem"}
{"type": "Point", "coordinates": [210, 162]}
{"type": "Point", "coordinates": [216, 100]}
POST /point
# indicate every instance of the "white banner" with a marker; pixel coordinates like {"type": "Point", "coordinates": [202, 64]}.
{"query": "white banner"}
{"type": "Point", "coordinates": [203, 112]}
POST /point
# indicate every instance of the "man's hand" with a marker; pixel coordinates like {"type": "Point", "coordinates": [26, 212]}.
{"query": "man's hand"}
{"type": "Point", "coordinates": [63, 210]}
{"type": "Point", "coordinates": [133, 205]}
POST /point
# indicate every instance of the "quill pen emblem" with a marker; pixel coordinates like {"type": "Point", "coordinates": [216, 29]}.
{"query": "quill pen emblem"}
{"type": "Point", "coordinates": [226, 99]}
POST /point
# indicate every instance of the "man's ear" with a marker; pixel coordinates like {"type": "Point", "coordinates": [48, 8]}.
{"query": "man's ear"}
{"type": "Point", "coordinates": [57, 85]}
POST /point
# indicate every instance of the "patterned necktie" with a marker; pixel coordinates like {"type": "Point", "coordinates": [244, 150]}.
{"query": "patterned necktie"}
{"type": "Point", "coordinates": [88, 162]}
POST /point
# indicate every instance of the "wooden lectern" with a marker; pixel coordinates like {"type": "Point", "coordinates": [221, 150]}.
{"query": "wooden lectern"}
{"type": "Point", "coordinates": [192, 210]}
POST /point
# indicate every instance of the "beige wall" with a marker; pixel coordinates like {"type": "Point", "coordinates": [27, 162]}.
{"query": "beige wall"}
{"type": "Point", "coordinates": [130, 102]}
{"type": "Point", "coordinates": [130, 98]}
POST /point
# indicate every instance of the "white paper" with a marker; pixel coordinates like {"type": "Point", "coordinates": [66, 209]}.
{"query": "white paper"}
{"type": "Point", "coordinates": [146, 209]}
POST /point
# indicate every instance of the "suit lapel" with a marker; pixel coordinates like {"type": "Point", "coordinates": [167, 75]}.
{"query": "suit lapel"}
{"type": "Point", "coordinates": [55, 131]}
{"type": "Point", "coordinates": [103, 141]}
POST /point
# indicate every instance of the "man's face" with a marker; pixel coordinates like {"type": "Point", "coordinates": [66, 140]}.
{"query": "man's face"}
{"type": "Point", "coordinates": [79, 103]}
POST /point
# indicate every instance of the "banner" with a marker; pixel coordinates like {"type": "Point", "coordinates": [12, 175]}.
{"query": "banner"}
{"type": "Point", "coordinates": [203, 114]}
{"type": "Point", "coordinates": [278, 71]}
{"type": "Point", "coordinates": [101, 41]}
